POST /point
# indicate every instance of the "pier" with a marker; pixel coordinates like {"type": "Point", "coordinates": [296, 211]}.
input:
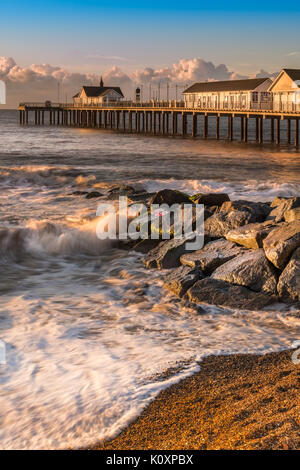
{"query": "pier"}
{"type": "Point", "coordinates": [169, 119]}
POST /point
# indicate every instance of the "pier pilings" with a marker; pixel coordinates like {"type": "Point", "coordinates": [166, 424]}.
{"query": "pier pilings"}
{"type": "Point", "coordinates": [248, 126]}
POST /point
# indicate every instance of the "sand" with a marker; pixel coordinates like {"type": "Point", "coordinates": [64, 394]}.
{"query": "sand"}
{"type": "Point", "coordinates": [234, 402]}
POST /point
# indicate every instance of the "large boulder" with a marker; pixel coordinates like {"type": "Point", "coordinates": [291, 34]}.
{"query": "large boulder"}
{"type": "Point", "coordinates": [289, 282]}
{"type": "Point", "coordinates": [258, 210]}
{"type": "Point", "coordinates": [251, 235]}
{"type": "Point", "coordinates": [278, 212]}
{"type": "Point", "coordinates": [181, 279]}
{"type": "Point", "coordinates": [219, 224]}
{"type": "Point", "coordinates": [250, 269]}
{"type": "Point", "coordinates": [167, 254]}
{"type": "Point", "coordinates": [215, 292]}
{"type": "Point", "coordinates": [210, 199]}
{"type": "Point", "coordinates": [234, 214]}
{"type": "Point", "coordinates": [292, 214]}
{"type": "Point", "coordinates": [212, 255]}
{"type": "Point", "coordinates": [170, 197]}
{"type": "Point", "coordinates": [281, 242]}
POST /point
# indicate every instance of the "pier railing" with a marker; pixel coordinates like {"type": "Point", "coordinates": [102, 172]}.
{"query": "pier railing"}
{"type": "Point", "coordinates": [171, 104]}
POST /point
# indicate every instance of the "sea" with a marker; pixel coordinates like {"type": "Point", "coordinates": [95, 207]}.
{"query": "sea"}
{"type": "Point", "coordinates": [87, 333]}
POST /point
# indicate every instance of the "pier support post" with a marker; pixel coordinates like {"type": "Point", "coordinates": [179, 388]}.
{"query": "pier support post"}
{"type": "Point", "coordinates": [242, 127]}
{"type": "Point", "coordinates": [245, 129]}
{"type": "Point", "coordinates": [217, 127]}
{"type": "Point", "coordinates": [130, 120]}
{"type": "Point", "coordinates": [183, 124]}
{"type": "Point", "coordinates": [278, 131]}
{"type": "Point", "coordinates": [194, 130]}
{"type": "Point", "coordinates": [260, 131]}
{"type": "Point", "coordinates": [230, 127]}
{"type": "Point", "coordinates": [205, 126]}
{"type": "Point", "coordinates": [289, 131]}
{"type": "Point", "coordinates": [272, 130]}
{"type": "Point", "coordinates": [174, 128]}
{"type": "Point", "coordinates": [297, 132]}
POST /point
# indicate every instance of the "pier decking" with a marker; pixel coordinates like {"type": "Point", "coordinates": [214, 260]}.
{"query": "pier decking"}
{"type": "Point", "coordinates": [168, 119]}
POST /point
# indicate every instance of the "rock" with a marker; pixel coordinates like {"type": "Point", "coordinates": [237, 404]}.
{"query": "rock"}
{"type": "Point", "coordinates": [210, 199]}
{"type": "Point", "coordinates": [258, 210]}
{"type": "Point", "coordinates": [250, 269]}
{"type": "Point", "coordinates": [144, 246]}
{"type": "Point", "coordinates": [216, 292]}
{"type": "Point", "coordinates": [121, 190]}
{"type": "Point", "coordinates": [289, 282]}
{"type": "Point", "coordinates": [80, 193]}
{"type": "Point", "coordinates": [181, 279]}
{"type": "Point", "coordinates": [281, 243]}
{"type": "Point", "coordinates": [93, 194]}
{"type": "Point", "coordinates": [292, 214]}
{"type": "Point", "coordinates": [167, 254]}
{"type": "Point", "coordinates": [141, 197]}
{"type": "Point", "coordinates": [219, 224]}
{"type": "Point", "coordinates": [170, 197]}
{"type": "Point", "coordinates": [277, 200]}
{"type": "Point", "coordinates": [251, 235]}
{"type": "Point", "coordinates": [212, 255]}
{"type": "Point", "coordinates": [278, 213]}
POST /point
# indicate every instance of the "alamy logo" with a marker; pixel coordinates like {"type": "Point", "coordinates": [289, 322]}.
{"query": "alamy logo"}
{"type": "Point", "coordinates": [2, 92]}
{"type": "Point", "coordinates": [138, 221]}
{"type": "Point", "coordinates": [2, 353]}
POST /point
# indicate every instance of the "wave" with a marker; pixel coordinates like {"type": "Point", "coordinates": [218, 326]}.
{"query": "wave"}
{"type": "Point", "coordinates": [253, 190]}
{"type": "Point", "coordinates": [43, 175]}
{"type": "Point", "coordinates": [46, 238]}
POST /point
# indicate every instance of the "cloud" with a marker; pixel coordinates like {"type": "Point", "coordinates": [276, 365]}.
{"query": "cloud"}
{"type": "Point", "coordinates": [263, 74]}
{"type": "Point", "coordinates": [291, 54]}
{"type": "Point", "coordinates": [107, 57]}
{"type": "Point", "coordinates": [40, 82]}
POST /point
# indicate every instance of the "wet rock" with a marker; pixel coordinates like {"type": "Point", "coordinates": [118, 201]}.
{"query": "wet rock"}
{"type": "Point", "coordinates": [250, 269]}
{"type": "Point", "coordinates": [258, 210]}
{"type": "Point", "coordinates": [170, 197]}
{"type": "Point", "coordinates": [292, 214]}
{"type": "Point", "coordinates": [181, 279]}
{"type": "Point", "coordinates": [216, 292]}
{"type": "Point", "coordinates": [219, 224]}
{"type": "Point", "coordinates": [212, 255]}
{"type": "Point", "coordinates": [210, 199]}
{"type": "Point", "coordinates": [281, 242]}
{"type": "Point", "coordinates": [251, 235]}
{"type": "Point", "coordinates": [93, 194]}
{"type": "Point", "coordinates": [278, 200]}
{"type": "Point", "coordinates": [289, 282]}
{"type": "Point", "coordinates": [278, 212]}
{"type": "Point", "coordinates": [144, 246]}
{"type": "Point", "coordinates": [121, 190]}
{"type": "Point", "coordinates": [141, 197]}
{"type": "Point", "coordinates": [79, 193]}
{"type": "Point", "coordinates": [167, 254]}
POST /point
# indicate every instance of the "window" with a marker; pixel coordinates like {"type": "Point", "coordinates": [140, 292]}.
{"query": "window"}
{"type": "Point", "coordinates": [255, 97]}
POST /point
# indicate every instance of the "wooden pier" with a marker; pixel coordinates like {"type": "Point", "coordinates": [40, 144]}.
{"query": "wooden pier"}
{"type": "Point", "coordinates": [167, 121]}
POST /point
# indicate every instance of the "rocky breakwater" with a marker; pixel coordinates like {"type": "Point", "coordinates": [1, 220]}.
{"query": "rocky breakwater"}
{"type": "Point", "coordinates": [250, 259]}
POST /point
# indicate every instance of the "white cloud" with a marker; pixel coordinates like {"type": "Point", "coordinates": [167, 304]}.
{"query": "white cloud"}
{"type": "Point", "coordinates": [40, 82]}
{"type": "Point", "coordinates": [291, 54]}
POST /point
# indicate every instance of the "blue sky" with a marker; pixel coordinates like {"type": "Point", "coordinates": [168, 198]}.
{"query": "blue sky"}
{"type": "Point", "coordinates": [93, 35]}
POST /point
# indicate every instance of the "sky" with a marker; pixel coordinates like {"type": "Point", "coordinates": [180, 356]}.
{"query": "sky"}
{"type": "Point", "coordinates": [121, 39]}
